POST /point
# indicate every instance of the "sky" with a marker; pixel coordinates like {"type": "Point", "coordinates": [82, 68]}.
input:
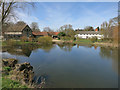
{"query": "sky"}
{"type": "Point", "coordinates": [78, 14]}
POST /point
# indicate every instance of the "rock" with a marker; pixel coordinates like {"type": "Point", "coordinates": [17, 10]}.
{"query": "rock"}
{"type": "Point", "coordinates": [20, 72]}
{"type": "Point", "coordinates": [9, 62]}
{"type": "Point", "coordinates": [24, 73]}
{"type": "Point", "coordinates": [24, 66]}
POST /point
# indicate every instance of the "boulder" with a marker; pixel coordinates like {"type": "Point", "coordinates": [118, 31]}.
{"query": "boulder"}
{"type": "Point", "coordinates": [21, 72]}
{"type": "Point", "coordinates": [24, 73]}
{"type": "Point", "coordinates": [9, 62]}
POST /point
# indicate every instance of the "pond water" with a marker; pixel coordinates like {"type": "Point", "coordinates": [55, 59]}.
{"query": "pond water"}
{"type": "Point", "coordinates": [70, 66]}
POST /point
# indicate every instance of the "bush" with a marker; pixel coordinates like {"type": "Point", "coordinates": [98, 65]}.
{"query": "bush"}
{"type": "Point", "coordinates": [61, 34]}
{"type": "Point", "coordinates": [94, 39]}
{"type": "Point", "coordinates": [67, 38]}
{"type": "Point", "coordinates": [34, 40]}
{"type": "Point", "coordinates": [109, 40]}
{"type": "Point", "coordinates": [30, 39]}
{"type": "Point", "coordinates": [24, 39]}
{"type": "Point", "coordinates": [7, 68]}
{"type": "Point", "coordinates": [45, 40]}
{"type": "Point", "coordinates": [11, 42]}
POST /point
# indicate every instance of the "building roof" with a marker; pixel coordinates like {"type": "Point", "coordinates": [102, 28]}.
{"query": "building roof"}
{"type": "Point", "coordinates": [56, 33]}
{"type": "Point", "coordinates": [53, 33]}
{"type": "Point", "coordinates": [89, 32]}
{"type": "Point", "coordinates": [16, 28]}
{"type": "Point", "coordinates": [45, 33]}
{"type": "Point", "coordinates": [40, 33]}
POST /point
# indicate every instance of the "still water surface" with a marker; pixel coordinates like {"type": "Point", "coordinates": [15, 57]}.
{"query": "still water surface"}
{"type": "Point", "coordinates": [66, 66]}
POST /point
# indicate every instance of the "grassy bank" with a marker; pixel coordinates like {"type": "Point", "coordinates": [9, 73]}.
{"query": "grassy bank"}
{"type": "Point", "coordinates": [40, 40]}
{"type": "Point", "coordinates": [83, 41]}
{"type": "Point", "coordinates": [46, 40]}
{"type": "Point", "coordinates": [9, 83]}
{"type": "Point", "coordinates": [106, 44]}
{"type": "Point", "coordinates": [6, 43]}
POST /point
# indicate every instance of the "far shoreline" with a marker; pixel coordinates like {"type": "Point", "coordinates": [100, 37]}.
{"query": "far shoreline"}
{"type": "Point", "coordinates": [56, 41]}
{"type": "Point", "coordinates": [83, 43]}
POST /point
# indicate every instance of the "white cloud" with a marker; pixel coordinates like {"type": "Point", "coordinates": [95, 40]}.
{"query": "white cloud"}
{"type": "Point", "coordinates": [57, 16]}
{"type": "Point", "coordinates": [27, 18]}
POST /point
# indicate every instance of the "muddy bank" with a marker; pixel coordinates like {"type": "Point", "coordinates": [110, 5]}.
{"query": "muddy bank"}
{"type": "Point", "coordinates": [22, 73]}
{"type": "Point", "coordinates": [106, 44]}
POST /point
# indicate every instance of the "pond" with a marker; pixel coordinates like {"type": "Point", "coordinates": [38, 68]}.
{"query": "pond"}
{"type": "Point", "coordinates": [70, 66]}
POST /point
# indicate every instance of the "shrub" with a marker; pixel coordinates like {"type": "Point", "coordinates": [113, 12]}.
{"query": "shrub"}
{"type": "Point", "coordinates": [67, 38]}
{"type": "Point", "coordinates": [94, 39]}
{"type": "Point", "coordinates": [6, 68]}
{"type": "Point", "coordinates": [11, 42]}
{"type": "Point", "coordinates": [109, 40]}
{"type": "Point", "coordinates": [30, 39]}
{"type": "Point", "coordinates": [45, 40]}
{"type": "Point", "coordinates": [61, 34]}
{"type": "Point", "coordinates": [34, 39]}
{"type": "Point", "coordinates": [24, 39]}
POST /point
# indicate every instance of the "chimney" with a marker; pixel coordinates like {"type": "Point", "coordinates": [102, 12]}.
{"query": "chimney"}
{"type": "Point", "coordinates": [96, 30]}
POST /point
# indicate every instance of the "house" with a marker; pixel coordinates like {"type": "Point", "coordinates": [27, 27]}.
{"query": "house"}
{"type": "Point", "coordinates": [40, 34]}
{"type": "Point", "coordinates": [20, 30]}
{"type": "Point", "coordinates": [53, 34]}
{"type": "Point", "coordinates": [17, 31]}
{"type": "Point", "coordinates": [89, 34]}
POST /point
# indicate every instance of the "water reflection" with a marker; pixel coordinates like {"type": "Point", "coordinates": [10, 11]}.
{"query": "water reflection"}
{"type": "Point", "coordinates": [27, 49]}
{"type": "Point", "coordinates": [70, 65]}
{"type": "Point", "coordinates": [66, 47]}
{"type": "Point", "coordinates": [110, 54]}
{"type": "Point", "coordinates": [87, 45]}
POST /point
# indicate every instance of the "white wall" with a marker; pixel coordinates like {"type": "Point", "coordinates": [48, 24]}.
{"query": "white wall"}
{"type": "Point", "coordinates": [89, 36]}
{"type": "Point", "coordinates": [13, 33]}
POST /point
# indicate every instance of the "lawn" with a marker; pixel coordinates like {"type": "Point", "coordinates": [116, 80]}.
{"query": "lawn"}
{"type": "Point", "coordinates": [86, 41]}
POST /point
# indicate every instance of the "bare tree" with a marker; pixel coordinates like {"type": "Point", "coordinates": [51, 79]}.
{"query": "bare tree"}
{"type": "Point", "coordinates": [6, 25]}
{"type": "Point", "coordinates": [48, 29]}
{"type": "Point", "coordinates": [89, 28]}
{"type": "Point", "coordinates": [35, 26]}
{"type": "Point", "coordinates": [8, 9]}
{"type": "Point", "coordinates": [107, 28]}
{"type": "Point", "coordinates": [20, 23]}
{"type": "Point", "coordinates": [68, 31]}
{"type": "Point", "coordinates": [67, 26]}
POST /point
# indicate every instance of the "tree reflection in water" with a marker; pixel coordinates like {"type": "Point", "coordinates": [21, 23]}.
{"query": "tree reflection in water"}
{"type": "Point", "coordinates": [26, 49]}
{"type": "Point", "coordinates": [110, 54]}
{"type": "Point", "coordinates": [66, 46]}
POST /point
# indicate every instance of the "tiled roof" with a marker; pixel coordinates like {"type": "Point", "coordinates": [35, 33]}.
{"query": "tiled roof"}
{"type": "Point", "coordinates": [40, 33]}
{"type": "Point", "coordinates": [89, 32]}
{"type": "Point", "coordinates": [56, 33]}
{"type": "Point", "coordinates": [16, 28]}
{"type": "Point", "coordinates": [53, 33]}
{"type": "Point", "coordinates": [45, 33]}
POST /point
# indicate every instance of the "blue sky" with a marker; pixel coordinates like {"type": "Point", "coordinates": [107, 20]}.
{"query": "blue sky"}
{"type": "Point", "coordinates": [78, 14]}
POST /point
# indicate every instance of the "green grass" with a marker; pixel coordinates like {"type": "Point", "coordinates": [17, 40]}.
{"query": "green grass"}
{"type": "Point", "coordinates": [6, 68]}
{"type": "Point", "coordinates": [83, 41]}
{"type": "Point", "coordinates": [8, 83]}
{"type": "Point", "coordinates": [4, 43]}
